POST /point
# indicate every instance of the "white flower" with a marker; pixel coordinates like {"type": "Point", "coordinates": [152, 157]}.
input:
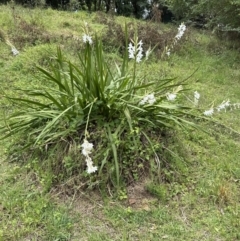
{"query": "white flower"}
{"type": "Point", "coordinates": [168, 52]}
{"type": "Point", "coordinates": [148, 52]}
{"type": "Point", "coordinates": [140, 44]}
{"type": "Point", "coordinates": [181, 30]}
{"type": "Point", "coordinates": [15, 51]}
{"type": "Point", "coordinates": [208, 112]}
{"type": "Point", "coordinates": [182, 27]}
{"type": "Point", "coordinates": [143, 101]}
{"type": "Point", "coordinates": [236, 105]}
{"type": "Point", "coordinates": [90, 167]}
{"type": "Point", "coordinates": [131, 51]}
{"type": "Point", "coordinates": [135, 51]}
{"type": "Point", "coordinates": [87, 39]}
{"type": "Point", "coordinates": [148, 99]}
{"type": "Point", "coordinates": [151, 99]}
{"type": "Point", "coordinates": [223, 105]}
{"type": "Point", "coordinates": [171, 96]}
{"type": "Point", "coordinates": [196, 97]}
{"type": "Point", "coordinates": [139, 56]}
{"type": "Point", "coordinates": [87, 148]}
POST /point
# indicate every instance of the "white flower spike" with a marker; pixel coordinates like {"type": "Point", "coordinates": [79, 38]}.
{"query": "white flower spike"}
{"type": "Point", "coordinates": [208, 112]}
{"type": "Point", "coordinates": [223, 105]}
{"type": "Point", "coordinates": [87, 39]}
{"type": "Point", "coordinates": [15, 52]}
{"type": "Point", "coordinates": [181, 30]}
{"type": "Point", "coordinates": [196, 97]}
{"type": "Point", "coordinates": [90, 167]}
{"type": "Point", "coordinates": [148, 99]}
{"type": "Point", "coordinates": [135, 51]}
{"type": "Point", "coordinates": [151, 99]}
{"type": "Point", "coordinates": [86, 151]}
{"type": "Point", "coordinates": [139, 56]}
{"type": "Point", "coordinates": [140, 44]}
{"type": "Point", "coordinates": [148, 52]}
{"type": "Point", "coordinates": [87, 148]}
{"type": "Point", "coordinates": [131, 51]}
{"type": "Point", "coordinates": [171, 96]}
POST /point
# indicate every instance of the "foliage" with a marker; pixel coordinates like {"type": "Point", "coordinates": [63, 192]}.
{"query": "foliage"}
{"type": "Point", "coordinates": [225, 13]}
{"type": "Point", "coordinates": [95, 97]}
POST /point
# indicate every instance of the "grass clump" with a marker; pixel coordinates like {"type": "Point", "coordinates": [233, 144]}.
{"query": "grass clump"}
{"type": "Point", "coordinates": [111, 105]}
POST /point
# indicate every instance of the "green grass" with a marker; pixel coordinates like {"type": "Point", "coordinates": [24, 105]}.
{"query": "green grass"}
{"type": "Point", "coordinates": [26, 211]}
{"type": "Point", "coordinates": [198, 197]}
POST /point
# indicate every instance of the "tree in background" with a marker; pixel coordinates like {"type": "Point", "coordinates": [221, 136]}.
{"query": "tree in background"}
{"type": "Point", "coordinates": [225, 13]}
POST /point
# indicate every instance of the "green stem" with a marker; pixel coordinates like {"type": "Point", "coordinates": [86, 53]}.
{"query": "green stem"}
{"type": "Point", "coordinates": [86, 132]}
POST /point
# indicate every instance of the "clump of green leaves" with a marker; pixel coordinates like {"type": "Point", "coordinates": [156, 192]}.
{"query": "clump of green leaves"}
{"type": "Point", "coordinates": [108, 104]}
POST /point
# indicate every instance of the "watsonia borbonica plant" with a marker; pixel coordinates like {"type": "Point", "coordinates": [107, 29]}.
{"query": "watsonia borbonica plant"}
{"type": "Point", "coordinates": [97, 103]}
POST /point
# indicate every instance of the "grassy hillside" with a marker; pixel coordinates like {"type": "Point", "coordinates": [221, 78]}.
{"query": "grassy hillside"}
{"type": "Point", "coordinates": [197, 196]}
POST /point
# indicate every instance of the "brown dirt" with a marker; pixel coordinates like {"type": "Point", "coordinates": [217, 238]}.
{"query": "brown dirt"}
{"type": "Point", "coordinates": [139, 198]}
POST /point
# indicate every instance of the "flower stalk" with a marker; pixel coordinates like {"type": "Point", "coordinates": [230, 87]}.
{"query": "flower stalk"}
{"type": "Point", "coordinates": [87, 147]}
{"type": "Point", "coordinates": [181, 30]}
